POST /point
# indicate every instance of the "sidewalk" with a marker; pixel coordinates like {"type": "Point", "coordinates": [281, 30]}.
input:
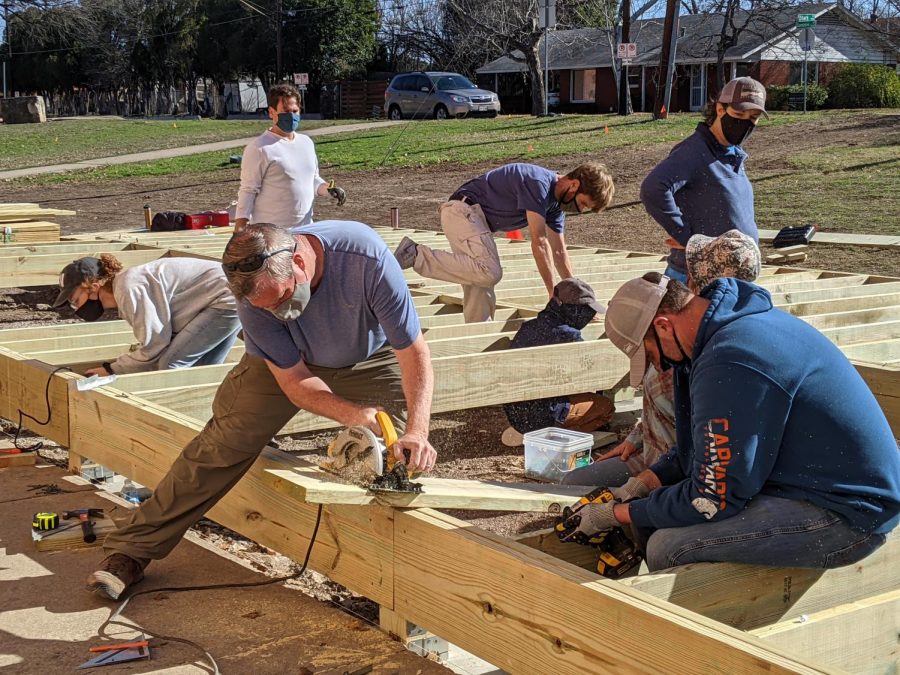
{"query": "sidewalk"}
{"type": "Point", "coordinates": [175, 152]}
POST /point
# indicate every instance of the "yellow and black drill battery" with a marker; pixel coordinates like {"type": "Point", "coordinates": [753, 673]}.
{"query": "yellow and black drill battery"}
{"type": "Point", "coordinates": [45, 521]}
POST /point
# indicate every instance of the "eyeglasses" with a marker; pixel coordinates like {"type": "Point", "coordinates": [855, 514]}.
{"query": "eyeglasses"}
{"type": "Point", "coordinates": [254, 262]}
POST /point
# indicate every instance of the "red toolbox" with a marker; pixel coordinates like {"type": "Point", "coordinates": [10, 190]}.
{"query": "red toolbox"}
{"type": "Point", "coordinates": [200, 221]}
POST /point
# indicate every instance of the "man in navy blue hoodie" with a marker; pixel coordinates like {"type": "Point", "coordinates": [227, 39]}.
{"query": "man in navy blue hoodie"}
{"type": "Point", "coordinates": [782, 456]}
{"type": "Point", "coordinates": [701, 187]}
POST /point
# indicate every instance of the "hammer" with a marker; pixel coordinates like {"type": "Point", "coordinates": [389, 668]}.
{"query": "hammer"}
{"type": "Point", "coordinates": [87, 525]}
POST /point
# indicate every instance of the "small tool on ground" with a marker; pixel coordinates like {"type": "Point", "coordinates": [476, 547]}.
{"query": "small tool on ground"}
{"type": "Point", "coordinates": [117, 653]}
{"type": "Point", "coordinates": [87, 525]}
{"type": "Point", "coordinates": [358, 455]}
{"type": "Point", "coordinates": [45, 521]}
{"type": "Point", "coordinates": [618, 555]}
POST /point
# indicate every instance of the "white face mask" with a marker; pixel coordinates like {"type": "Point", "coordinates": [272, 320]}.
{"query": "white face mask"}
{"type": "Point", "coordinates": [292, 308]}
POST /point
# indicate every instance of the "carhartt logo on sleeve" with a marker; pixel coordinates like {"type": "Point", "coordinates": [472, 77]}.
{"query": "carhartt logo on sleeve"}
{"type": "Point", "coordinates": [714, 472]}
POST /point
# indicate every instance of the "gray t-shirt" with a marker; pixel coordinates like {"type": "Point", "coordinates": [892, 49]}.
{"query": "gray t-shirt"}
{"type": "Point", "coordinates": [361, 303]}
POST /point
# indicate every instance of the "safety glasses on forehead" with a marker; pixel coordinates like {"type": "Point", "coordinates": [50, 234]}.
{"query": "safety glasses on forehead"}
{"type": "Point", "coordinates": [254, 262]}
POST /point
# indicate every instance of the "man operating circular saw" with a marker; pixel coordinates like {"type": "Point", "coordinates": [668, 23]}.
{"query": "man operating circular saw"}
{"type": "Point", "coordinates": [330, 328]}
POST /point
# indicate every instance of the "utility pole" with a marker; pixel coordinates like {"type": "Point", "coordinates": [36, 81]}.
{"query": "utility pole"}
{"type": "Point", "coordinates": [7, 69]}
{"type": "Point", "coordinates": [624, 91]}
{"type": "Point", "coordinates": [278, 41]}
{"type": "Point", "coordinates": [666, 56]}
{"type": "Point", "coordinates": [547, 19]}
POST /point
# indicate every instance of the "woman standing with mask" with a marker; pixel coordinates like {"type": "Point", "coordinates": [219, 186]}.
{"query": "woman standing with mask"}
{"type": "Point", "coordinates": [280, 170]}
{"type": "Point", "coordinates": [701, 187]}
{"type": "Point", "coordinates": [181, 310]}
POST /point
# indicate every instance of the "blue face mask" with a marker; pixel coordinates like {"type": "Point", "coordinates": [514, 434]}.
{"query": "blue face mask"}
{"type": "Point", "coordinates": [288, 122]}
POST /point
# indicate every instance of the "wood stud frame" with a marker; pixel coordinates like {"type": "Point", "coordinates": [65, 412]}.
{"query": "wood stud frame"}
{"type": "Point", "coordinates": [526, 606]}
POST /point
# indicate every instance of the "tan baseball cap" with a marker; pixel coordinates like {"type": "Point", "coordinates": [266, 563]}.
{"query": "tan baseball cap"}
{"type": "Point", "coordinates": [744, 93]}
{"type": "Point", "coordinates": [628, 318]}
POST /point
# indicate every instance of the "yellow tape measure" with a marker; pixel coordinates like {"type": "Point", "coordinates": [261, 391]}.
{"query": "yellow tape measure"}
{"type": "Point", "coordinates": [45, 521]}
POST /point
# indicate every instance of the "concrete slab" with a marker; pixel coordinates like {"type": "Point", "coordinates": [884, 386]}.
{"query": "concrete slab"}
{"type": "Point", "coordinates": [47, 620]}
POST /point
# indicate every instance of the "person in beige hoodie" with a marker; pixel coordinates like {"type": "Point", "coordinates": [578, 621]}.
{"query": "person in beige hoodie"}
{"type": "Point", "coordinates": [181, 310]}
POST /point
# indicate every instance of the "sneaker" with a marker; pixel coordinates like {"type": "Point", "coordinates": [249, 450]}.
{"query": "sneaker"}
{"type": "Point", "coordinates": [117, 572]}
{"type": "Point", "coordinates": [406, 253]}
{"type": "Point", "coordinates": [511, 438]}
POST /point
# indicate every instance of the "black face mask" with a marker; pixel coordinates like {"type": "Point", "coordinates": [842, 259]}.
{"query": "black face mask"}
{"type": "Point", "coordinates": [735, 130]}
{"type": "Point", "coordinates": [90, 310]}
{"type": "Point", "coordinates": [665, 363]}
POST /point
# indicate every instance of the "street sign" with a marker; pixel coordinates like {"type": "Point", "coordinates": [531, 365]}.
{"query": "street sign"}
{"type": "Point", "coordinates": [627, 50]}
{"type": "Point", "coordinates": [807, 39]}
{"type": "Point", "coordinates": [301, 79]}
{"type": "Point", "coordinates": [806, 20]}
{"type": "Point", "coordinates": [547, 14]}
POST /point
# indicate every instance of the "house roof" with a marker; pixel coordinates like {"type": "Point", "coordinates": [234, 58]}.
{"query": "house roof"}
{"type": "Point", "coordinates": [697, 42]}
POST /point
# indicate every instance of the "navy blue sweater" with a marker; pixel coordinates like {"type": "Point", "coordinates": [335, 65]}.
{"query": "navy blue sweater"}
{"type": "Point", "coordinates": [770, 406]}
{"type": "Point", "coordinates": [700, 188]}
{"type": "Point", "coordinates": [555, 324]}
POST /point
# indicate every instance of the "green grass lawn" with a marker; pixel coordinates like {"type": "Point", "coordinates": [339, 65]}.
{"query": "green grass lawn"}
{"type": "Point", "coordinates": [847, 189]}
{"type": "Point", "coordinates": [427, 142]}
{"type": "Point", "coordinates": [63, 141]}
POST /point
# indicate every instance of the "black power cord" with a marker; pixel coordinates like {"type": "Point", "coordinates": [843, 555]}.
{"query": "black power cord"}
{"type": "Point", "coordinates": [22, 414]}
{"type": "Point", "coordinates": [212, 587]}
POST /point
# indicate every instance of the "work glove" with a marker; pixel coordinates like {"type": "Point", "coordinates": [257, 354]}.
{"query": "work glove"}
{"type": "Point", "coordinates": [633, 489]}
{"type": "Point", "coordinates": [586, 524]}
{"type": "Point", "coordinates": [337, 193]}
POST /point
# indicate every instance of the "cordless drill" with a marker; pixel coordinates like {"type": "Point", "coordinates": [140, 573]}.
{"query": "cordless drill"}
{"type": "Point", "coordinates": [618, 554]}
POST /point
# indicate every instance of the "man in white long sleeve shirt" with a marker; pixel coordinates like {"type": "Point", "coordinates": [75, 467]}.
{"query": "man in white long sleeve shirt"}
{"type": "Point", "coordinates": [280, 170]}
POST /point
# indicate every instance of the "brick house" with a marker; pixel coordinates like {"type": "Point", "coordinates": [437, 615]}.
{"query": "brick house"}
{"type": "Point", "coordinates": [766, 48]}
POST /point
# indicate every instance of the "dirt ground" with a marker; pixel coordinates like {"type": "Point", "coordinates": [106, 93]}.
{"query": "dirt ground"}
{"type": "Point", "coordinates": [116, 204]}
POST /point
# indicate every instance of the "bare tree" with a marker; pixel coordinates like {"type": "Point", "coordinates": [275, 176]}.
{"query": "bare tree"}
{"type": "Point", "coordinates": [507, 27]}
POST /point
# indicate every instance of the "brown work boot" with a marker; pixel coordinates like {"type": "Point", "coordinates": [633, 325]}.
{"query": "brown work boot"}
{"type": "Point", "coordinates": [117, 572]}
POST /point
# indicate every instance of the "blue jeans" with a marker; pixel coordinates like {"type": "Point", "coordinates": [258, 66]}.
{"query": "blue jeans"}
{"type": "Point", "coordinates": [672, 273]}
{"type": "Point", "coordinates": [612, 472]}
{"type": "Point", "coordinates": [204, 341]}
{"type": "Point", "coordinates": [769, 531]}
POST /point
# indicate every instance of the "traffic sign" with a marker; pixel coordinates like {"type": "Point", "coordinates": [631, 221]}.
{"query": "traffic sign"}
{"type": "Point", "coordinates": [806, 20]}
{"type": "Point", "coordinates": [301, 79]}
{"type": "Point", "coordinates": [807, 39]}
{"type": "Point", "coordinates": [627, 50]}
{"type": "Point", "coordinates": [547, 14]}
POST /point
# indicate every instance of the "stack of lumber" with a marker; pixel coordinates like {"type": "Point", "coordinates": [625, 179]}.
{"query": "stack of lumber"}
{"type": "Point", "coordinates": [24, 223]}
{"type": "Point", "coordinates": [788, 254]}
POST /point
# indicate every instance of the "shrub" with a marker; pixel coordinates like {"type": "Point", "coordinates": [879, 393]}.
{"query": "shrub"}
{"type": "Point", "coordinates": [777, 96]}
{"type": "Point", "coordinates": [861, 85]}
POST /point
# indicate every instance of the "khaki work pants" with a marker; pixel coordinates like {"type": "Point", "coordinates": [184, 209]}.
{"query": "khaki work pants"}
{"type": "Point", "coordinates": [588, 412]}
{"type": "Point", "coordinates": [474, 261]}
{"type": "Point", "coordinates": [248, 410]}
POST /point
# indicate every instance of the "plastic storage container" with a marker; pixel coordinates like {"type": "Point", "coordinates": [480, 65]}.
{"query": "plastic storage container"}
{"type": "Point", "coordinates": [551, 453]}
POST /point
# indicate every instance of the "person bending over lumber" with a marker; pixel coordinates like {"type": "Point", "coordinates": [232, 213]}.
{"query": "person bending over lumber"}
{"type": "Point", "coordinates": [572, 307]}
{"type": "Point", "coordinates": [181, 310]}
{"type": "Point", "coordinates": [782, 456]}
{"type": "Point", "coordinates": [508, 198]}
{"type": "Point", "coordinates": [330, 328]}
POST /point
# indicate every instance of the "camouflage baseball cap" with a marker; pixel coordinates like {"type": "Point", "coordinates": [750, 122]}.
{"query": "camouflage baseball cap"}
{"type": "Point", "coordinates": [744, 93]}
{"type": "Point", "coordinates": [732, 254]}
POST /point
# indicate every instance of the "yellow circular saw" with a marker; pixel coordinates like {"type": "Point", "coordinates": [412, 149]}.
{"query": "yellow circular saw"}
{"type": "Point", "coordinates": [359, 455]}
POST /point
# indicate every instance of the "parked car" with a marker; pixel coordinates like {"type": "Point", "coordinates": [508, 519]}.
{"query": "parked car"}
{"type": "Point", "coordinates": [438, 95]}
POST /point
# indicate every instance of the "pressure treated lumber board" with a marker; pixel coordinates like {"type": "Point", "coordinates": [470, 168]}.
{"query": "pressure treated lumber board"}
{"type": "Point", "coordinates": [314, 486]}
{"type": "Point", "coordinates": [858, 637]}
{"type": "Point", "coordinates": [72, 538]}
{"type": "Point", "coordinates": [528, 613]}
{"type": "Point", "coordinates": [28, 231]}
{"type": "Point", "coordinates": [140, 440]}
{"type": "Point", "coordinates": [23, 383]}
{"type": "Point", "coordinates": [751, 596]}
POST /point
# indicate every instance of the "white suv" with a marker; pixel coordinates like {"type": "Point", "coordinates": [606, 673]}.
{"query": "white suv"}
{"type": "Point", "coordinates": [438, 95]}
